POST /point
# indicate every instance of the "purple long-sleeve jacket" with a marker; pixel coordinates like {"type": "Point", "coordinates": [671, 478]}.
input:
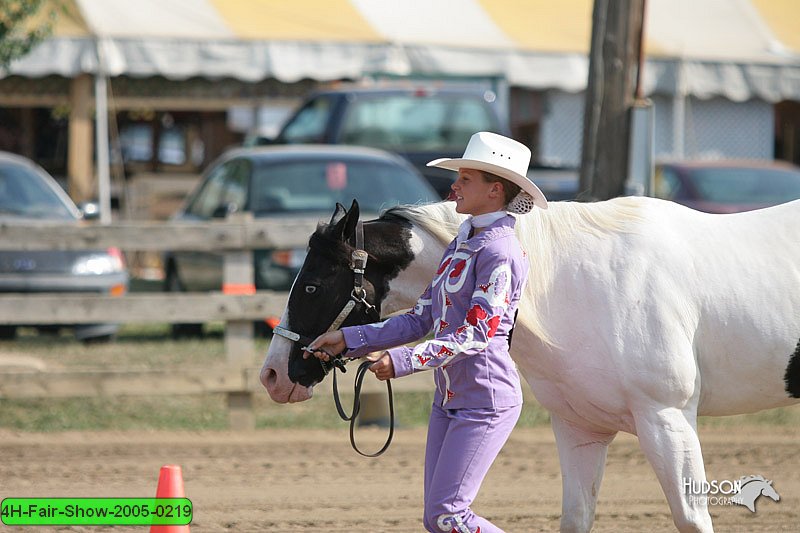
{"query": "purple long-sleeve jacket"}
{"type": "Point", "coordinates": [469, 306]}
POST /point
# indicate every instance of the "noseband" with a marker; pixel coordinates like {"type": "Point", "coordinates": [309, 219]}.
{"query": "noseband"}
{"type": "Point", "coordinates": [358, 264]}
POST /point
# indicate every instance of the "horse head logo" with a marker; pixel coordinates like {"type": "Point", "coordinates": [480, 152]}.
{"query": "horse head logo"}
{"type": "Point", "coordinates": [751, 488]}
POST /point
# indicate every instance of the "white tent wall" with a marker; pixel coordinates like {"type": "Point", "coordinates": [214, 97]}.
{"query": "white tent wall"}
{"type": "Point", "coordinates": [739, 49]}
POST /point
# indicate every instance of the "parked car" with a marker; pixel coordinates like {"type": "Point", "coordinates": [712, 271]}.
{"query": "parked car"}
{"type": "Point", "coordinates": [420, 124]}
{"type": "Point", "coordinates": [727, 186]}
{"type": "Point", "coordinates": [28, 193]}
{"type": "Point", "coordinates": [299, 183]}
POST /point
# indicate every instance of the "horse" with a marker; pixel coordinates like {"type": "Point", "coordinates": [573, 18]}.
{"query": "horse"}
{"type": "Point", "coordinates": [639, 315]}
{"type": "Point", "coordinates": [751, 488]}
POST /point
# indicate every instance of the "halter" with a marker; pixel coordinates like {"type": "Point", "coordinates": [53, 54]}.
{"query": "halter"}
{"type": "Point", "coordinates": [358, 264]}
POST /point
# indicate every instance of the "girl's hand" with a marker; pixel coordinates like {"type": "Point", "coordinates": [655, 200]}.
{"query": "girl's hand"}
{"type": "Point", "coordinates": [326, 345]}
{"type": "Point", "coordinates": [383, 368]}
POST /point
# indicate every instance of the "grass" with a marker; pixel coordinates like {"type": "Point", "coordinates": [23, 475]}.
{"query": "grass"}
{"type": "Point", "coordinates": [150, 346]}
{"type": "Point", "coordinates": [136, 346]}
{"type": "Point", "coordinates": [781, 416]}
{"type": "Point", "coordinates": [204, 413]}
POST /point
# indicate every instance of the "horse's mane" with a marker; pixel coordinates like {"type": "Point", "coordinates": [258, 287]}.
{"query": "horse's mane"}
{"type": "Point", "coordinates": [542, 233]}
{"type": "Point", "coordinates": [439, 219]}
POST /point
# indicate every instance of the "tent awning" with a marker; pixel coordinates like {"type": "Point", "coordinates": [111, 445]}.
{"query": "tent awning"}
{"type": "Point", "coordinates": [740, 49]}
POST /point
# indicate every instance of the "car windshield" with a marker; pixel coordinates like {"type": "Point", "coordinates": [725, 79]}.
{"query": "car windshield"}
{"type": "Point", "coordinates": [747, 185]}
{"type": "Point", "coordinates": [407, 122]}
{"type": "Point", "coordinates": [310, 185]}
{"type": "Point", "coordinates": [24, 193]}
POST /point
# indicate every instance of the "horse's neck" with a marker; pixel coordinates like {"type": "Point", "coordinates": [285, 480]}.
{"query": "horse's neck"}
{"type": "Point", "coordinates": [752, 488]}
{"type": "Point", "coordinates": [405, 289]}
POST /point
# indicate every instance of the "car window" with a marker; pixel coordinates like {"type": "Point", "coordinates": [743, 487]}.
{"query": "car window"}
{"type": "Point", "coordinates": [23, 192]}
{"type": "Point", "coordinates": [224, 190]}
{"type": "Point", "coordinates": [746, 185]}
{"type": "Point", "coordinates": [318, 185]}
{"type": "Point", "coordinates": [308, 126]}
{"type": "Point", "coordinates": [467, 117]}
{"type": "Point", "coordinates": [408, 122]}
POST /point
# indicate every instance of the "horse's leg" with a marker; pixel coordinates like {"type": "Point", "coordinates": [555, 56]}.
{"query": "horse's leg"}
{"type": "Point", "coordinates": [582, 454]}
{"type": "Point", "coordinates": [668, 438]}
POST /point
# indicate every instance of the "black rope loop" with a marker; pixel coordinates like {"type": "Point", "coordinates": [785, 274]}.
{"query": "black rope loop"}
{"type": "Point", "coordinates": [363, 368]}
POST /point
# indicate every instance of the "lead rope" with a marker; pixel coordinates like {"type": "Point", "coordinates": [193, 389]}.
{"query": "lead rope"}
{"type": "Point", "coordinates": [359, 380]}
{"type": "Point", "coordinates": [359, 266]}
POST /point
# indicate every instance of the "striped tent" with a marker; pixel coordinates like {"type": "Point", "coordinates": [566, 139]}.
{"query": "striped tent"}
{"type": "Point", "coordinates": [738, 49]}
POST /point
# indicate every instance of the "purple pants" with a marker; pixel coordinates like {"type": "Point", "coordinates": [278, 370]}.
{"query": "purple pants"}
{"type": "Point", "coordinates": [462, 445]}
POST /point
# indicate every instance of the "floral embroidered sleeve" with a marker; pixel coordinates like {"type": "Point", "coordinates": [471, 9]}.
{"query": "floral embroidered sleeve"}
{"type": "Point", "coordinates": [487, 308]}
{"type": "Point", "coordinates": [394, 331]}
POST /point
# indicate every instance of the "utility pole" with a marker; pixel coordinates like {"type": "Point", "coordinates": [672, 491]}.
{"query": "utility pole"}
{"type": "Point", "coordinates": [614, 67]}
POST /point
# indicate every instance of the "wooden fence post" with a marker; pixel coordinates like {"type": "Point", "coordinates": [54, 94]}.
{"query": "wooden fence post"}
{"type": "Point", "coordinates": [239, 278]}
{"type": "Point", "coordinates": [374, 409]}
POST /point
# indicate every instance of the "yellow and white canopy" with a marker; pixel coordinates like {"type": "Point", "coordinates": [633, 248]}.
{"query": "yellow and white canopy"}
{"type": "Point", "coordinates": [736, 48]}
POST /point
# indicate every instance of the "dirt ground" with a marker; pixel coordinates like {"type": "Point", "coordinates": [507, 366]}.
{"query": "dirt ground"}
{"type": "Point", "coordinates": [310, 480]}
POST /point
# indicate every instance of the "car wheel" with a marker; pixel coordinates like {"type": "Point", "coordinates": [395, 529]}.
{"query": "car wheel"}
{"type": "Point", "coordinates": [48, 330]}
{"type": "Point", "coordinates": [100, 339]}
{"type": "Point", "coordinates": [8, 333]}
{"type": "Point", "coordinates": [180, 331]}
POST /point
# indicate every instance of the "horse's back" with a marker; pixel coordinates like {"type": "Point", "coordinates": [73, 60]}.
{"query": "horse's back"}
{"type": "Point", "coordinates": [720, 247]}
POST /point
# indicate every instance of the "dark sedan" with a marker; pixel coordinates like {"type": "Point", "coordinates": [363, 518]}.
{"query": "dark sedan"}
{"type": "Point", "coordinates": [28, 193]}
{"type": "Point", "coordinates": [727, 186]}
{"type": "Point", "coordinates": [300, 183]}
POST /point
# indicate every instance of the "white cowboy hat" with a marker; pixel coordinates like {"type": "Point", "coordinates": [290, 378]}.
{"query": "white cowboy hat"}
{"type": "Point", "coordinates": [503, 157]}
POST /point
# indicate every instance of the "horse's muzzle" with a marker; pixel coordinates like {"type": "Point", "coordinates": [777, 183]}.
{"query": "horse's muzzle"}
{"type": "Point", "coordinates": [281, 389]}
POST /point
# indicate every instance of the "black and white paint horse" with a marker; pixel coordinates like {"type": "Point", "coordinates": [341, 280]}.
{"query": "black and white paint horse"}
{"type": "Point", "coordinates": [639, 315]}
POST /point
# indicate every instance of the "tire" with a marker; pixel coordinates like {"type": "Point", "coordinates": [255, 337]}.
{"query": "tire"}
{"type": "Point", "coordinates": [8, 333]}
{"type": "Point", "coordinates": [100, 339]}
{"type": "Point", "coordinates": [51, 330]}
{"type": "Point", "coordinates": [180, 331]}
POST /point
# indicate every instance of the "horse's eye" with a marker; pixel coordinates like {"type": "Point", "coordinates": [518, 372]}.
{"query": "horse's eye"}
{"type": "Point", "coordinates": [310, 289]}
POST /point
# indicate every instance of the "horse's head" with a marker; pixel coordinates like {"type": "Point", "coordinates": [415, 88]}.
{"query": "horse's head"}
{"type": "Point", "coordinates": [751, 487]}
{"type": "Point", "coordinates": [769, 491]}
{"type": "Point", "coordinates": [324, 286]}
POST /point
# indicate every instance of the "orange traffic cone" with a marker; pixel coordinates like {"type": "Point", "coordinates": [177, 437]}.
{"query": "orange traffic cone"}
{"type": "Point", "coordinates": [170, 485]}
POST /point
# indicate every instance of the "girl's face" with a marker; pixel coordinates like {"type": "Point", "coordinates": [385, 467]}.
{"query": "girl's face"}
{"type": "Point", "coordinates": [474, 195]}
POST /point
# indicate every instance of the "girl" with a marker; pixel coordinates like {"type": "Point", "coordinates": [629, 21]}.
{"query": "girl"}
{"type": "Point", "coordinates": [470, 306]}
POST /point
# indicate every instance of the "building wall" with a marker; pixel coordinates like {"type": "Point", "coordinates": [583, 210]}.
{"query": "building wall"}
{"type": "Point", "coordinates": [561, 130]}
{"type": "Point", "coordinates": [713, 129]}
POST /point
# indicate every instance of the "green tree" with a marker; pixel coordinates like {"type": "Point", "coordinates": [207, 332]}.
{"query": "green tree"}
{"type": "Point", "coordinates": [22, 27]}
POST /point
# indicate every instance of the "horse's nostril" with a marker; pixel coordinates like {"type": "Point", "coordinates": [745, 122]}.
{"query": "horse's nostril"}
{"type": "Point", "coordinates": [269, 378]}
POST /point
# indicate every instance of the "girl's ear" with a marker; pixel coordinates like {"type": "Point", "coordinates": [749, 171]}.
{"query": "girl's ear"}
{"type": "Point", "coordinates": [496, 189]}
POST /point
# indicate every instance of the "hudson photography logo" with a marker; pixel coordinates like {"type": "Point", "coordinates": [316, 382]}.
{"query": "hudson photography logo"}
{"type": "Point", "coordinates": [743, 491]}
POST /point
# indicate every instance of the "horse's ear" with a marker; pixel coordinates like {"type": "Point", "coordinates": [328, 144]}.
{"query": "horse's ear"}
{"type": "Point", "coordinates": [352, 220]}
{"type": "Point", "coordinates": [338, 214]}
{"type": "Point", "coordinates": [345, 227]}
